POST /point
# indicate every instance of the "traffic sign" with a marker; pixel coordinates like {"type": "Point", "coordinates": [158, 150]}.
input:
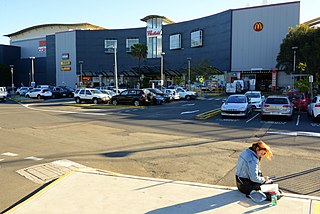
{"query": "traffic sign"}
{"type": "Point", "coordinates": [201, 79]}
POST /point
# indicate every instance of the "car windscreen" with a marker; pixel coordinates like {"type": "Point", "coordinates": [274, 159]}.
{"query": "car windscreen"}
{"type": "Point", "coordinates": [253, 95]}
{"type": "Point", "coordinates": [236, 99]}
{"type": "Point", "coordinates": [277, 101]}
{"type": "Point", "coordinates": [96, 92]}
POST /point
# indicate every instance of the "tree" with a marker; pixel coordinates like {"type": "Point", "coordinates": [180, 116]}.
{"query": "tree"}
{"type": "Point", "coordinates": [308, 53]}
{"type": "Point", "coordinates": [139, 51]}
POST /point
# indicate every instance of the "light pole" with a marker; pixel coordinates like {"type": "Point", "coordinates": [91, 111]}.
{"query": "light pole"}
{"type": "Point", "coordinates": [161, 69]}
{"type": "Point", "coordinates": [80, 81]}
{"type": "Point", "coordinates": [294, 64]}
{"type": "Point", "coordinates": [189, 73]}
{"type": "Point", "coordinates": [32, 71]}
{"type": "Point", "coordinates": [12, 84]}
{"type": "Point", "coordinates": [115, 68]}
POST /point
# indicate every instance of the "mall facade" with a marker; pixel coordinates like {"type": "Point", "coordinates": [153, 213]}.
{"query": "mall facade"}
{"type": "Point", "coordinates": [241, 43]}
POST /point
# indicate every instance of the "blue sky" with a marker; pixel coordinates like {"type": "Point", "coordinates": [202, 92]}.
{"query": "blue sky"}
{"type": "Point", "coordinates": [19, 14]}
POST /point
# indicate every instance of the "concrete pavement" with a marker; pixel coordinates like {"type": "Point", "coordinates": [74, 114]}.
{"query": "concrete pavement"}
{"type": "Point", "coordinates": [90, 190]}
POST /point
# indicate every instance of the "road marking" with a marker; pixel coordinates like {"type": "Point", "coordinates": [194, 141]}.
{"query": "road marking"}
{"type": "Point", "coordinates": [1, 159]}
{"type": "Point", "coordinates": [314, 124]}
{"type": "Point", "coordinates": [228, 120]}
{"type": "Point", "coordinates": [33, 158]}
{"type": "Point", "coordinates": [298, 120]}
{"type": "Point", "coordinates": [57, 111]}
{"type": "Point", "coordinates": [189, 104]}
{"type": "Point", "coordinates": [252, 118]}
{"type": "Point", "coordinates": [274, 122]}
{"type": "Point", "coordinates": [9, 154]}
{"type": "Point", "coordinates": [189, 112]}
{"type": "Point", "coordinates": [309, 134]}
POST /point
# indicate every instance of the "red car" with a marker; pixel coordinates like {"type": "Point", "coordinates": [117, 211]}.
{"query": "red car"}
{"type": "Point", "coordinates": [299, 100]}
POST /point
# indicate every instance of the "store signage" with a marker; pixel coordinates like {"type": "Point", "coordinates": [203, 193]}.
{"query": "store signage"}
{"type": "Point", "coordinates": [42, 46]}
{"type": "Point", "coordinates": [258, 26]}
{"type": "Point", "coordinates": [65, 63]}
{"type": "Point", "coordinates": [65, 69]}
{"type": "Point", "coordinates": [274, 80]}
{"type": "Point", "coordinates": [154, 32]}
{"type": "Point", "coordinates": [65, 56]}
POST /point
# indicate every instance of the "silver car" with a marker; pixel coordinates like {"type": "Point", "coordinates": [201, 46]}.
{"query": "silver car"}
{"type": "Point", "coordinates": [236, 105]}
{"type": "Point", "coordinates": [277, 106]}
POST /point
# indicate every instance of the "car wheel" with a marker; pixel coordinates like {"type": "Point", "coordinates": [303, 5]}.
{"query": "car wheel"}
{"type": "Point", "coordinates": [136, 103]}
{"type": "Point", "coordinates": [53, 96]}
{"type": "Point", "coordinates": [95, 101]}
{"type": "Point", "coordinates": [27, 96]}
{"type": "Point", "coordinates": [263, 117]}
{"type": "Point", "coordinates": [38, 97]}
{"type": "Point", "coordinates": [70, 95]}
{"type": "Point", "coordinates": [188, 97]}
{"type": "Point", "coordinates": [78, 100]}
{"type": "Point", "coordinates": [114, 102]}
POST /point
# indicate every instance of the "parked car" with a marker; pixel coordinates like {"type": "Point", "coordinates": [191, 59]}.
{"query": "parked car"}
{"type": "Point", "coordinates": [157, 92]}
{"type": "Point", "coordinates": [188, 95]}
{"type": "Point", "coordinates": [133, 96]}
{"type": "Point", "coordinates": [61, 92]}
{"type": "Point", "coordinates": [256, 98]}
{"type": "Point", "coordinates": [300, 100]}
{"type": "Point", "coordinates": [23, 90]}
{"type": "Point", "coordinates": [3, 94]}
{"type": "Point", "coordinates": [277, 106]}
{"type": "Point", "coordinates": [172, 93]}
{"type": "Point", "coordinates": [91, 95]}
{"type": "Point", "coordinates": [236, 105]}
{"type": "Point", "coordinates": [108, 92]}
{"type": "Point", "coordinates": [39, 93]}
{"type": "Point", "coordinates": [313, 109]}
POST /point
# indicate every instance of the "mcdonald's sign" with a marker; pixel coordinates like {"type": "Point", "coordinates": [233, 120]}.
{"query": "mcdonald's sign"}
{"type": "Point", "coordinates": [258, 26]}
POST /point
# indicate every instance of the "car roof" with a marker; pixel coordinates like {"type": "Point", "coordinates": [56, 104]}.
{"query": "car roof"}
{"type": "Point", "coordinates": [277, 96]}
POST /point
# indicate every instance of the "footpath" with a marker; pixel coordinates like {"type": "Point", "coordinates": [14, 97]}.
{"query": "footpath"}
{"type": "Point", "coordinates": [92, 191]}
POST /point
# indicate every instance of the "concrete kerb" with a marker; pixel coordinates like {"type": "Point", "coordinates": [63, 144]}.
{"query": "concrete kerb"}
{"type": "Point", "coordinates": [208, 114]}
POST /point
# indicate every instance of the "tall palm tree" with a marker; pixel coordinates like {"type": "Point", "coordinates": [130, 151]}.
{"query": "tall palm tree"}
{"type": "Point", "coordinates": [139, 51]}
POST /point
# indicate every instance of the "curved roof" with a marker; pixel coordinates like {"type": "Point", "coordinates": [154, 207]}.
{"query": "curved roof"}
{"type": "Point", "coordinates": [165, 19]}
{"type": "Point", "coordinates": [312, 22]}
{"type": "Point", "coordinates": [87, 26]}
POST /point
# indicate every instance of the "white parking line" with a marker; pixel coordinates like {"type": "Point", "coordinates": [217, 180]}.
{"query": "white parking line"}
{"type": "Point", "coordinates": [309, 134]}
{"type": "Point", "coordinates": [189, 104]}
{"type": "Point", "coordinates": [252, 118]}
{"type": "Point", "coordinates": [57, 111]}
{"type": "Point", "coordinates": [189, 112]}
{"type": "Point", "coordinates": [33, 158]}
{"type": "Point", "coordinates": [298, 120]}
{"type": "Point", "coordinates": [9, 154]}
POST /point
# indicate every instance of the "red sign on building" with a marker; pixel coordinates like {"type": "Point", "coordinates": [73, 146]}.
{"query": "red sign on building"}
{"type": "Point", "coordinates": [258, 26]}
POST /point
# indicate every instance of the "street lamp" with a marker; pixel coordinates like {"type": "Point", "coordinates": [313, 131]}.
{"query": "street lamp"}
{"type": "Point", "coordinates": [12, 84]}
{"type": "Point", "coordinates": [80, 63]}
{"type": "Point", "coordinates": [32, 71]}
{"type": "Point", "coordinates": [189, 73]}
{"type": "Point", "coordinates": [294, 64]}
{"type": "Point", "coordinates": [115, 67]}
{"type": "Point", "coordinates": [161, 69]}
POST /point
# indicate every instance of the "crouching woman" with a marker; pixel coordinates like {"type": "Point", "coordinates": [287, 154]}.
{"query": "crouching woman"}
{"type": "Point", "coordinates": [248, 174]}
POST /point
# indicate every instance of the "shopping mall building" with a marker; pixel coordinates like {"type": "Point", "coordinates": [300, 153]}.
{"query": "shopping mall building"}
{"type": "Point", "coordinates": [241, 43]}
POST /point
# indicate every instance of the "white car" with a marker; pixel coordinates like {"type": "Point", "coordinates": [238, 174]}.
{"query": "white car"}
{"type": "Point", "coordinates": [186, 94]}
{"type": "Point", "coordinates": [236, 105]}
{"type": "Point", "coordinates": [313, 108]}
{"type": "Point", "coordinates": [39, 93]}
{"type": "Point", "coordinates": [91, 95]}
{"type": "Point", "coordinates": [23, 90]}
{"type": "Point", "coordinates": [3, 94]}
{"type": "Point", "coordinates": [256, 98]}
{"type": "Point", "coordinates": [172, 93]}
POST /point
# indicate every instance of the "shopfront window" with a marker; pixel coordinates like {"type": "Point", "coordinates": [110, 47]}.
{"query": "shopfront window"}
{"type": "Point", "coordinates": [130, 42]}
{"type": "Point", "coordinates": [196, 38]}
{"type": "Point", "coordinates": [109, 45]}
{"type": "Point", "coordinates": [175, 41]}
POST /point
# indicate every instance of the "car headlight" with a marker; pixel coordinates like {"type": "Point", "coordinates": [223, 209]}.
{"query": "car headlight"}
{"type": "Point", "coordinates": [242, 108]}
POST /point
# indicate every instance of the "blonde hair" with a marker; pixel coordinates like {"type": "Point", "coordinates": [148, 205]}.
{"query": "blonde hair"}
{"type": "Point", "coordinates": [260, 145]}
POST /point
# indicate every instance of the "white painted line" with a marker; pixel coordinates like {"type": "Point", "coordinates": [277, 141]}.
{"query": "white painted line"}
{"type": "Point", "coordinates": [298, 120]}
{"type": "Point", "coordinates": [228, 120]}
{"type": "Point", "coordinates": [189, 112]}
{"type": "Point", "coordinates": [252, 118]}
{"type": "Point", "coordinates": [93, 109]}
{"type": "Point", "coordinates": [65, 112]}
{"type": "Point", "coordinates": [217, 99]}
{"type": "Point", "coordinates": [1, 159]}
{"type": "Point", "coordinates": [33, 158]}
{"type": "Point", "coordinates": [309, 134]}
{"type": "Point", "coordinates": [9, 154]}
{"type": "Point", "coordinates": [314, 124]}
{"type": "Point", "coordinates": [274, 122]}
{"type": "Point", "coordinates": [189, 104]}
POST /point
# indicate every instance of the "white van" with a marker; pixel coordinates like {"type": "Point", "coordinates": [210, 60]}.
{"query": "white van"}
{"type": "Point", "coordinates": [3, 94]}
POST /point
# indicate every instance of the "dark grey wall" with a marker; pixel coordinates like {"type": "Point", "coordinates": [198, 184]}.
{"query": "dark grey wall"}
{"type": "Point", "coordinates": [216, 49]}
{"type": "Point", "coordinates": [51, 59]}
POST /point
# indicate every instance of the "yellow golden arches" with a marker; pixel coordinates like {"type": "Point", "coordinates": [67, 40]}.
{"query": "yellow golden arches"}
{"type": "Point", "coordinates": [258, 26]}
